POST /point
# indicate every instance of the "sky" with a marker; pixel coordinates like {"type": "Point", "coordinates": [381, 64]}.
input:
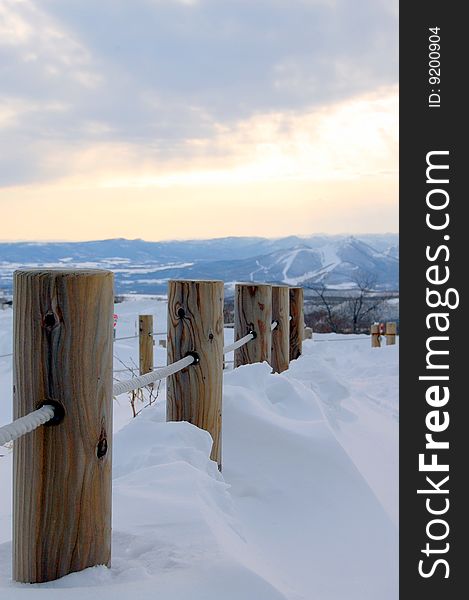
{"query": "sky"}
{"type": "Point", "coordinates": [174, 119]}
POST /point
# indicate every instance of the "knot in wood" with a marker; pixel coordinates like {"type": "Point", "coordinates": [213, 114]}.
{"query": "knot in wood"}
{"type": "Point", "coordinates": [50, 320]}
{"type": "Point", "coordinates": [101, 449]}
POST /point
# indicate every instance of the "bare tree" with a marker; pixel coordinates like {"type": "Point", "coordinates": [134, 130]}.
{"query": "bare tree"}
{"type": "Point", "coordinates": [353, 313]}
{"type": "Point", "coordinates": [364, 303]}
{"type": "Point", "coordinates": [331, 316]}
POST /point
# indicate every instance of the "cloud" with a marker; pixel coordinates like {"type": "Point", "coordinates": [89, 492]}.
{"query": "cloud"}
{"type": "Point", "coordinates": [351, 140]}
{"type": "Point", "coordinates": [163, 78]}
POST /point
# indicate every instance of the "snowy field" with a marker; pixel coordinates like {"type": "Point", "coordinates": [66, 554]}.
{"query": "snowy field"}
{"type": "Point", "coordinates": [306, 507]}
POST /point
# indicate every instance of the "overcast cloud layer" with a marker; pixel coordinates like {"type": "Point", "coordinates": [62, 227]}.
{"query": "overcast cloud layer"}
{"type": "Point", "coordinates": [165, 73]}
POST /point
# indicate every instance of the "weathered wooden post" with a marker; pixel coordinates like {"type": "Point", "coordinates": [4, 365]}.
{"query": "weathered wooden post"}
{"type": "Point", "coordinates": [297, 321]}
{"type": "Point", "coordinates": [280, 358]}
{"type": "Point", "coordinates": [195, 325]}
{"type": "Point", "coordinates": [63, 338]}
{"type": "Point", "coordinates": [391, 330]}
{"type": "Point", "coordinates": [253, 313]}
{"type": "Point", "coordinates": [375, 336]}
{"type": "Point", "coordinates": [145, 343]}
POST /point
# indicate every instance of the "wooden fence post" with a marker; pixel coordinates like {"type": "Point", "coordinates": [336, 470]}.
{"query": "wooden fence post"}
{"type": "Point", "coordinates": [145, 343]}
{"type": "Point", "coordinates": [63, 338]}
{"type": "Point", "coordinates": [375, 336]}
{"type": "Point", "coordinates": [253, 312]}
{"type": "Point", "coordinates": [195, 324]}
{"type": "Point", "coordinates": [297, 321]}
{"type": "Point", "coordinates": [390, 333]}
{"type": "Point", "coordinates": [280, 358]}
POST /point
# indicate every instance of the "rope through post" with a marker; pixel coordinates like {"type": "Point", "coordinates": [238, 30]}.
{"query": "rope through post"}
{"type": "Point", "coordinates": [26, 424]}
{"type": "Point", "coordinates": [63, 340]}
{"type": "Point", "coordinates": [297, 322]}
{"type": "Point", "coordinates": [280, 355]}
{"type": "Point", "coordinates": [253, 312]}
{"type": "Point", "coordinates": [195, 324]}
{"type": "Point", "coordinates": [143, 380]}
{"type": "Point", "coordinates": [121, 387]}
{"type": "Point", "coordinates": [239, 344]}
{"type": "Point", "coordinates": [145, 345]}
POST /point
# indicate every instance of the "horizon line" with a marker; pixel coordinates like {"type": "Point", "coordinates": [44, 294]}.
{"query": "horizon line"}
{"type": "Point", "coordinates": [172, 240]}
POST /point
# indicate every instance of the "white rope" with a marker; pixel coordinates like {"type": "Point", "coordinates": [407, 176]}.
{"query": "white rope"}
{"type": "Point", "coordinates": [25, 424]}
{"type": "Point", "coordinates": [143, 380]}
{"type": "Point", "coordinates": [354, 339]}
{"type": "Point", "coordinates": [273, 326]}
{"type": "Point", "coordinates": [244, 340]}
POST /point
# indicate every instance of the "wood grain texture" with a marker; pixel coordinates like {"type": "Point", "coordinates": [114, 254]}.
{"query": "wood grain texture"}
{"type": "Point", "coordinates": [63, 338]}
{"type": "Point", "coordinates": [145, 343]}
{"type": "Point", "coordinates": [297, 321]}
{"type": "Point", "coordinates": [195, 323]}
{"type": "Point", "coordinates": [280, 358]}
{"type": "Point", "coordinates": [253, 311]}
{"type": "Point", "coordinates": [391, 330]}
{"type": "Point", "coordinates": [375, 336]}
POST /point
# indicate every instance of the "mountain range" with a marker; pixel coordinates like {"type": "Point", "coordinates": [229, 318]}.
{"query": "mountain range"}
{"type": "Point", "coordinates": [144, 267]}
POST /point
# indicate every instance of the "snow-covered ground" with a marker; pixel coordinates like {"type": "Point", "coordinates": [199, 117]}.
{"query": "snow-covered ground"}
{"type": "Point", "coordinates": [306, 507]}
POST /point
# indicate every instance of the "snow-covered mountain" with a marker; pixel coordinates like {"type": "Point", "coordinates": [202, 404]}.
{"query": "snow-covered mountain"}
{"type": "Point", "coordinates": [145, 267]}
{"type": "Point", "coordinates": [337, 263]}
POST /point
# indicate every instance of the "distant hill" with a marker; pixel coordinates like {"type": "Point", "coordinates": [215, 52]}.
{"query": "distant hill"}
{"type": "Point", "coordinates": [145, 267]}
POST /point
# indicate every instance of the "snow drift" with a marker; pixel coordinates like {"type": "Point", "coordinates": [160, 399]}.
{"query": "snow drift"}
{"type": "Point", "coordinates": [306, 507]}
